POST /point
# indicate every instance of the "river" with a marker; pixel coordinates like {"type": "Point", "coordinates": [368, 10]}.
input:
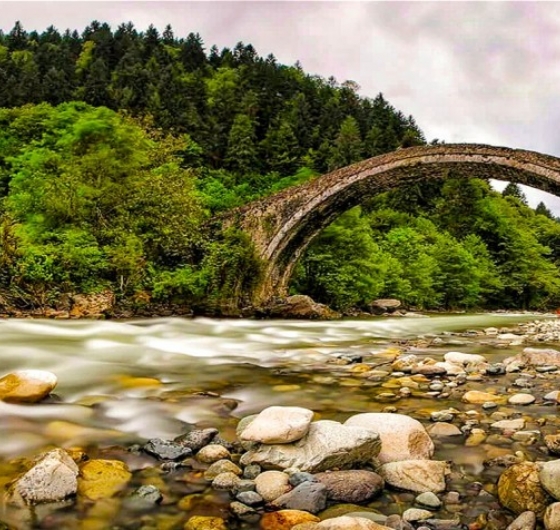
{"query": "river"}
{"type": "Point", "coordinates": [121, 383]}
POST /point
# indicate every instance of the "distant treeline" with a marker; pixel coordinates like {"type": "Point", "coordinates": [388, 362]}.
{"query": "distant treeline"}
{"type": "Point", "coordinates": [117, 147]}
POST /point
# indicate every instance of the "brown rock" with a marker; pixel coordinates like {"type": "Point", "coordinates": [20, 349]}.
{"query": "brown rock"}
{"type": "Point", "coordinates": [301, 306]}
{"type": "Point", "coordinates": [92, 305]}
{"type": "Point", "coordinates": [286, 519]}
{"type": "Point", "coordinates": [520, 490]}
{"type": "Point", "coordinates": [101, 479]}
{"type": "Point", "coordinates": [351, 486]}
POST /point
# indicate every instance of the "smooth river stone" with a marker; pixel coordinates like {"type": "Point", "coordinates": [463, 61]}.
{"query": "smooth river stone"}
{"type": "Point", "coordinates": [416, 475]}
{"type": "Point", "coordinates": [535, 357]}
{"type": "Point", "coordinates": [27, 386]}
{"type": "Point", "coordinates": [549, 475]}
{"type": "Point", "coordinates": [552, 516]}
{"type": "Point", "coordinates": [52, 478]}
{"type": "Point", "coordinates": [286, 519]}
{"type": "Point", "coordinates": [327, 445]}
{"type": "Point", "coordinates": [353, 486]}
{"type": "Point", "coordinates": [478, 398]}
{"type": "Point", "coordinates": [402, 437]}
{"type": "Point", "coordinates": [349, 523]}
{"type": "Point", "coordinates": [525, 521]}
{"type": "Point", "coordinates": [456, 357]}
{"type": "Point", "coordinates": [278, 425]}
{"type": "Point", "coordinates": [521, 399]}
{"type": "Point", "coordinates": [509, 425]}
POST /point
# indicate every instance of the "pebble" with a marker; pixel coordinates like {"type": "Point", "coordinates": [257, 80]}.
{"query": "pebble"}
{"type": "Point", "coordinates": [308, 496]}
{"type": "Point", "coordinates": [553, 396]}
{"type": "Point", "coordinates": [250, 498]}
{"type": "Point", "coordinates": [352, 486]}
{"type": "Point", "coordinates": [272, 484]}
{"type": "Point", "coordinates": [286, 519]}
{"type": "Point", "coordinates": [442, 415]}
{"type": "Point", "coordinates": [222, 466]}
{"type": "Point", "coordinates": [509, 425]}
{"type": "Point", "coordinates": [166, 449]}
{"type": "Point", "coordinates": [552, 516]}
{"type": "Point", "coordinates": [524, 521]}
{"type": "Point", "coordinates": [252, 471]}
{"type": "Point", "coordinates": [246, 513]}
{"type": "Point", "coordinates": [415, 514]}
{"type": "Point", "coordinates": [213, 453]}
{"type": "Point", "coordinates": [521, 399]}
{"type": "Point", "coordinates": [226, 481]}
{"type": "Point", "coordinates": [278, 425]}
{"type": "Point", "coordinates": [428, 499]}
{"type": "Point", "coordinates": [202, 522]}
{"type": "Point", "coordinates": [195, 440]}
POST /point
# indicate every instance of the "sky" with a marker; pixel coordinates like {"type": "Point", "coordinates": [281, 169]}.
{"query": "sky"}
{"type": "Point", "coordinates": [482, 72]}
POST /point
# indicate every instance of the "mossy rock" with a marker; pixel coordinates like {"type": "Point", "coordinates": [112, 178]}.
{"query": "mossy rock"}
{"type": "Point", "coordinates": [101, 479]}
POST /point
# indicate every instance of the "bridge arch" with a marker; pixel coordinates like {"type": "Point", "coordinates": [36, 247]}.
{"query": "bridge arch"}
{"type": "Point", "coordinates": [283, 225]}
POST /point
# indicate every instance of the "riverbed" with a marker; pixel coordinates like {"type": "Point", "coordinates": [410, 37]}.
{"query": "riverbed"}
{"type": "Point", "coordinates": [122, 383]}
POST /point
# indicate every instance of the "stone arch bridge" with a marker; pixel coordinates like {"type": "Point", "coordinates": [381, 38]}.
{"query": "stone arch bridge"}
{"type": "Point", "coordinates": [282, 225]}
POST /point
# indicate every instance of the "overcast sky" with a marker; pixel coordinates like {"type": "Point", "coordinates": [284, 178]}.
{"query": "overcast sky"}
{"type": "Point", "coordinates": [485, 72]}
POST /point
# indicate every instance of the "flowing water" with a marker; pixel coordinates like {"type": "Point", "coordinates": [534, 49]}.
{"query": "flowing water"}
{"type": "Point", "coordinates": [121, 383]}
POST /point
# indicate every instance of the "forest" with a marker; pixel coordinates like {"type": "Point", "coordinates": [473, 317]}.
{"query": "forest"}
{"type": "Point", "coordinates": [118, 147]}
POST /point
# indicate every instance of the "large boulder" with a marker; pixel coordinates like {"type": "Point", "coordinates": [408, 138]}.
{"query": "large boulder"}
{"type": "Point", "coordinates": [327, 445]}
{"type": "Point", "coordinates": [402, 437]}
{"type": "Point", "coordinates": [53, 478]}
{"type": "Point", "coordinates": [301, 306]}
{"type": "Point", "coordinates": [384, 305]}
{"type": "Point", "coordinates": [278, 425]}
{"type": "Point", "coordinates": [535, 357]}
{"type": "Point", "coordinates": [416, 475]}
{"type": "Point", "coordinates": [520, 489]}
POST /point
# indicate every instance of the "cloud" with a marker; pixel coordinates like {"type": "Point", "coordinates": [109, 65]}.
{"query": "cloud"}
{"type": "Point", "coordinates": [485, 72]}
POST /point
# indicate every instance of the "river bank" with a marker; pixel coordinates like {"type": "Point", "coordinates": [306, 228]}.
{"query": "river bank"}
{"type": "Point", "coordinates": [128, 392]}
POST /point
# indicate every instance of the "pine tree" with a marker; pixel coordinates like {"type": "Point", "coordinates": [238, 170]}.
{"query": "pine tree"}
{"type": "Point", "coordinates": [348, 146]}
{"type": "Point", "coordinates": [513, 190]}
{"type": "Point", "coordinates": [241, 155]}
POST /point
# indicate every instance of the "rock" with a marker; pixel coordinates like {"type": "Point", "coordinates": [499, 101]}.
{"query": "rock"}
{"type": "Point", "coordinates": [521, 399]}
{"type": "Point", "coordinates": [535, 357]}
{"type": "Point", "coordinates": [463, 359]}
{"type": "Point", "coordinates": [166, 449]}
{"type": "Point", "coordinates": [552, 442]}
{"type": "Point", "coordinates": [442, 430]}
{"type": "Point", "coordinates": [226, 481]}
{"type": "Point", "coordinates": [285, 519]}
{"type": "Point", "coordinates": [478, 398]}
{"type": "Point", "coordinates": [272, 484]}
{"type": "Point", "coordinates": [278, 425]}
{"type": "Point", "coordinates": [552, 516]}
{"type": "Point", "coordinates": [222, 466]}
{"type": "Point", "coordinates": [525, 521]}
{"type": "Point", "coordinates": [301, 306]}
{"type": "Point", "coordinates": [308, 496]}
{"type": "Point", "coordinates": [101, 479]}
{"type": "Point", "coordinates": [250, 498]}
{"type": "Point", "coordinates": [520, 490]}
{"type": "Point", "coordinates": [402, 437]}
{"type": "Point", "coordinates": [396, 522]}
{"type": "Point", "coordinates": [252, 471]}
{"type": "Point", "coordinates": [349, 523]}
{"type": "Point", "coordinates": [195, 440]}
{"type": "Point", "coordinates": [352, 486]}
{"type": "Point", "coordinates": [299, 477]}
{"type": "Point", "coordinates": [384, 305]}
{"type": "Point", "coordinates": [327, 445]}
{"type": "Point", "coordinates": [549, 475]}
{"type": "Point", "coordinates": [144, 497]}
{"type": "Point", "coordinates": [441, 416]}
{"type": "Point", "coordinates": [416, 475]}
{"type": "Point", "coordinates": [27, 386]}
{"type": "Point", "coordinates": [92, 305]}
{"type": "Point", "coordinates": [201, 522]}
{"type": "Point", "coordinates": [212, 453]}
{"type": "Point", "coordinates": [429, 500]}
{"type": "Point", "coordinates": [413, 515]}
{"type": "Point", "coordinates": [553, 396]}
{"type": "Point", "coordinates": [244, 512]}
{"type": "Point", "coordinates": [509, 425]}
{"type": "Point", "coordinates": [52, 478]}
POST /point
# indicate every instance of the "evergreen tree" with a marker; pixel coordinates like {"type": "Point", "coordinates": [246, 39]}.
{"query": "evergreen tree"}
{"type": "Point", "coordinates": [241, 155]}
{"type": "Point", "coordinates": [513, 190]}
{"type": "Point", "coordinates": [348, 146]}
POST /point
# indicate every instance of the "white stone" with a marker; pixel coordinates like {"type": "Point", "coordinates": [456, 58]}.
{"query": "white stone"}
{"type": "Point", "coordinates": [509, 425]}
{"type": "Point", "coordinates": [416, 514]}
{"type": "Point", "coordinates": [460, 358]}
{"type": "Point", "coordinates": [349, 523]}
{"type": "Point", "coordinates": [521, 399]}
{"type": "Point", "coordinates": [525, 521]}
{"type": "Point", "coordinates": [552, 516]}
{"type": "Point", "coordinates": [416, 475]}
{"type": "Point", "coordinates": [402, 437]}
{"type": "Point", "coordinates": [327, 445]}
{"type": "Point", "coordinates": [278, 425]}
{"type": "Point", "coordinates": [549, 476]}
{"type": "Point", "coordinates": [53, 478]}
{"type": "Point", "coordinates": [452, 368]}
